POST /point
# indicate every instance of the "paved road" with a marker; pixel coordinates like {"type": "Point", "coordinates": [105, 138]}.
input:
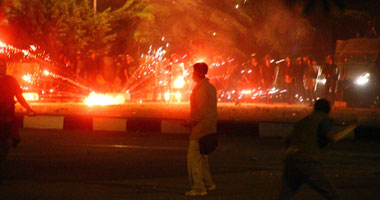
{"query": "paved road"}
{"type": "Point", "coordinates": [103, 165]}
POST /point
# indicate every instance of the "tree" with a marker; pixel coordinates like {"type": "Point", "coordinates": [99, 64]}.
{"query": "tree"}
{"type": "Point", "coordinates": [69, 28]}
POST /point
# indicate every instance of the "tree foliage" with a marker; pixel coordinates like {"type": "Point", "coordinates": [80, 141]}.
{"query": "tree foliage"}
{"type": "Point", "coordinates": [234, 28]}
{"type": "Point", "coordinates": [69, 28]}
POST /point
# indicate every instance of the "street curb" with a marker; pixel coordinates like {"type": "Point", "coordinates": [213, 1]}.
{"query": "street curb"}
{"type": "Point", "coordinates": [166, 126]}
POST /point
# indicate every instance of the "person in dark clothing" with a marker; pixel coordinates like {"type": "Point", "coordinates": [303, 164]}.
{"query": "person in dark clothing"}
{"type": "Point", "coordinates": [267, 76]}
{"type": "Point", "coordinates": [124, 72]}
{"type": "Point", "coordinates": [330, 72]}
{"type": "Point", "coordinates": [9, 137]}
{"type": "Point", "coordinates": [310, 80]}
{"type": "Point", "coordinates": [300, 69]}
{"type": "Point", "coordinates": [251, 75]}
{"type": "Point", "coordinates": [234, 82]}
{"type": "Point", "coordinates": [267, 73]}
{"type": "Point", "coordinates": [279, 74]}
{"type": "Point", "coordinates": [303, 147]}
{"type": "Point", "coordinates": [289, 74]}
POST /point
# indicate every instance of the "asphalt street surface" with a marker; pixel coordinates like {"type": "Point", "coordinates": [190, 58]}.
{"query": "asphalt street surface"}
{"type": "Point", "coordinates": [142, 165]}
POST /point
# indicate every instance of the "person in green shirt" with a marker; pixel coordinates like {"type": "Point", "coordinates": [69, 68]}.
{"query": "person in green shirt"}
{"type": "Point", "coordinates": [303, 147]}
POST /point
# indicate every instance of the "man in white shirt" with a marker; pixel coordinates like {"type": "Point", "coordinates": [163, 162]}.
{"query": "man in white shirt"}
{"type": "Point", "coordinates": [202, 120]}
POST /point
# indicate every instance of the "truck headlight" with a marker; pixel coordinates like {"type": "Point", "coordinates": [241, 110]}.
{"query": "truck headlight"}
{"type": "Point", "coordinates": [362, 79]}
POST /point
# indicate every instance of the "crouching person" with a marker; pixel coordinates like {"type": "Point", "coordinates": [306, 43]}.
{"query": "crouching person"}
{"type": "Point", "coordinates": [302, 163]}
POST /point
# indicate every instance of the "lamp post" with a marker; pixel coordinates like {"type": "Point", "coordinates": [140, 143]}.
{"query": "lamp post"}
{"type": "Point", "coordinates": [95, 4]}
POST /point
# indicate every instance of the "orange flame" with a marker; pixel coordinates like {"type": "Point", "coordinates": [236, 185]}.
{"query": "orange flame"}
{"type": "Point", "coordinates": [179, 82]}
{"type": "Point", "coordinates": [104, 99]}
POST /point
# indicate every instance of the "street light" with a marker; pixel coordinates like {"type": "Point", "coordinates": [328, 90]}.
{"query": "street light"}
{"type": "Point", "coordinates": [95, 3]}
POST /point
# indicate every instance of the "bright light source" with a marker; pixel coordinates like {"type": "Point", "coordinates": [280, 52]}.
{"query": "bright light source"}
{"type": "Point", "coordinates": [104, 99]}
{"type": "Point", "coordinates": [46, 72]}
{"type": "Point", "coordinates": [25, 52]}
{"type": "Point", "coordinates": [178, 96]}
{"type": "Point", "coordinates": [30, 96]}
{"type": "Point", "coordinates": [2, 44]}
{"type": "Point", "coordinates": [362, 79]}
{"type": "Point", "coordinates": [246, 91]}
{"type": "Point", "coordinates": [27, 78]}
{"type": "Point", "coordinates": [280, 61]}
{"type": "Point", "coordinates": [33, 47]}
{"type": "Point", "coordinates": [167, 96]}
{"type": "Point", "coordinates": [321, 80]}
{"type": "Point", "coordinates": [179, 82]}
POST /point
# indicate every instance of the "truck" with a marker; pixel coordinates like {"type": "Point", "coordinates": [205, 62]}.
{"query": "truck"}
{"type": "Point", "coordinates": [358, 70]}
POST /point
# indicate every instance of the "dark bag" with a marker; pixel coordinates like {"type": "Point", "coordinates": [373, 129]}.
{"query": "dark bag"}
{"type": "Point", "coordinates": [208, 143]}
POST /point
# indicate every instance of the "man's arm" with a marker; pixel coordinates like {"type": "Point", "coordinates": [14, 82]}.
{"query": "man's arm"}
{"type": "Point", "coordinates": [23, 102]}
{"type": "Point", "coordinates": [335, 136]}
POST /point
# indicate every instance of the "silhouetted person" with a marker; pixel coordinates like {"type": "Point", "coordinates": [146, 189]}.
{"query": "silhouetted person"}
{"type": "Point", "coordinates": [202, 120]}
{"type": "Point", "coordinates": [310, 81]}
{"type": "Point", "coordinates": [330, 72]}
{"type": "Point", "coordinates": [267, 76]}
{"type": "Point", "coordinates": [289, 73]}
{"type": "Point", "coordinates": [251, 76]}
{"type": "Point", "coordinates": [9, 137]}
{"type": "Point", "coordinates": [234, 81]}
{"type": "Point", "coordinates": [267, 73]}
{"type": "Point", "coordinates": [303, 147]}
{"type": "Point", "coordinates": [125, 69]}
{"type": "Point", "coordinates": [300, 68]}
{"type": "Point", "coordinates": [371, 32]}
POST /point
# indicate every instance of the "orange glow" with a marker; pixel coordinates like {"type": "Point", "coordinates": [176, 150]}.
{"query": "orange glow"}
{"type": "Point", "coordinates": [179, 82]}
{"type": "Point", "coordinates": [30, 96]}
{"type": "Point", "coordinates": [104, 99]}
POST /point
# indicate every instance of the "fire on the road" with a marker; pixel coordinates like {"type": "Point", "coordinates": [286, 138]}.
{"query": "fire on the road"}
{"type": "Point", "coordinates": [104, 99]}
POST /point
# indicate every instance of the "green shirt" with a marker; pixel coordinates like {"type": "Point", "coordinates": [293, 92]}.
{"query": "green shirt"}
{"type": "Point", "coordinates": [309, 137]}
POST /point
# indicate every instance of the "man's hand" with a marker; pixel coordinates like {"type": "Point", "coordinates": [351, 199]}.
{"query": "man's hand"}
{"type": "Point", "coordinates": [30, 112]}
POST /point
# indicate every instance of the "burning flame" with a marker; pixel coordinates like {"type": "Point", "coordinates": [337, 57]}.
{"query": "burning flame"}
{"type": "Point", "coordinates": [179, 82]}
{"type": "Point", "coordinates": [104, 99]}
